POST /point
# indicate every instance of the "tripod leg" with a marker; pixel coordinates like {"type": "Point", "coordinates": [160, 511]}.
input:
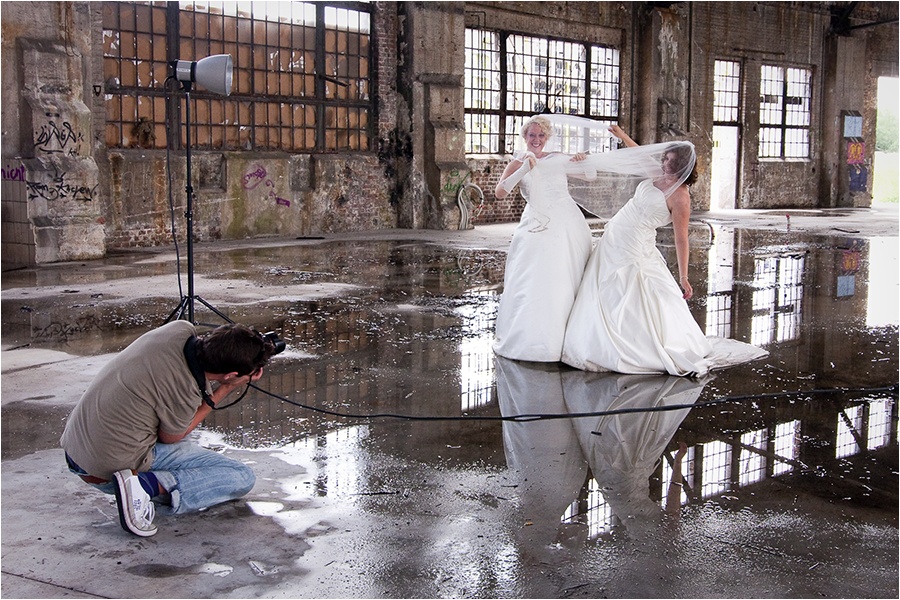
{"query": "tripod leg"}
{"type": "Point", "coordinates": [212, 308]}
{"type": "Point", "coordinates": [179, 310]}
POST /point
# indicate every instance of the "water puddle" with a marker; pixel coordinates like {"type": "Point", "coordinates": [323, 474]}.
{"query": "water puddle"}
{"type": "Point", "coordinates": [389, 372]}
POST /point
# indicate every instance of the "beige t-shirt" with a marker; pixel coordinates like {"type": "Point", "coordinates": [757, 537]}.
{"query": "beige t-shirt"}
{"type": "Point", "coordinates": [146, 388]}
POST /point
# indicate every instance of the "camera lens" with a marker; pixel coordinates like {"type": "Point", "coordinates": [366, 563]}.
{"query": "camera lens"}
{"type": "Point", "coordinates": [279, 344]}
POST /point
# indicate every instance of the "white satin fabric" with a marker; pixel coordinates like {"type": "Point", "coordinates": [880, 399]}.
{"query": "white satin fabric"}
{"type": "Point", "coordinates": [629, 315]}
{"type": "Point", "coordinates": [546, 259]}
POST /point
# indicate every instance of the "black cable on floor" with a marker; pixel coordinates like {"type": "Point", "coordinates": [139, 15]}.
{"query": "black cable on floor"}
{"type": "Point", "coordinates": [619, 411]}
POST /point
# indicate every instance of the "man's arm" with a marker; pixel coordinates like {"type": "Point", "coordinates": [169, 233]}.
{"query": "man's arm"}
{"type": "Point", "coordinates": [228, 383]}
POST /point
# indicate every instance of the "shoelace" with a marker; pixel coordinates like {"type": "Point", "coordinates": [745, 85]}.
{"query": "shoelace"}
{"type": "Point", "coordinates": [148, 513]}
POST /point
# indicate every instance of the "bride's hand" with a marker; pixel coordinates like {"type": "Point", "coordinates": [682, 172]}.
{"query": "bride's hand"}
{"type": "Point", "coordinates": [578, 157]}
{"type": "Point", "coordinates": [688, 290]}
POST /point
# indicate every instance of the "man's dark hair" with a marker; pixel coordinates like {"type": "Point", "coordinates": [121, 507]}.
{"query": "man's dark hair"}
{"type": "Point", "coordinates": [233, 348]}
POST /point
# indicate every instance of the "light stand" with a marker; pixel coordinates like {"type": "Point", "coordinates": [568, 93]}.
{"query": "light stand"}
{"type": "Point", "coordinates": [214, 73]}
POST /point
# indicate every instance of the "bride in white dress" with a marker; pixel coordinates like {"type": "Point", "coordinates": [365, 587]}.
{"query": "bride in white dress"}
{"type": "Point", "coordinates": [629, 315]}
{"type": "Point", "coordinates": [549, 249]}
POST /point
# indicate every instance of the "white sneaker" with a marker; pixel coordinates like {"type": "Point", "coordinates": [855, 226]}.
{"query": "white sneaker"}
{"type": "Point", "coordinates": [136, 510]}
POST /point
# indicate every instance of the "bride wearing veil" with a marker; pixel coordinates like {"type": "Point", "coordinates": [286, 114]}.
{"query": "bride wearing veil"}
{"type": "Point", "coordinates": [629, 314]}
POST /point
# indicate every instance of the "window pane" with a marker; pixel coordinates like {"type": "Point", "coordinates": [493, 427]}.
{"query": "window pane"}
{"type": "Point", "coordinates": [726, 91]}
{"type": "Point", "coordinates": [540, 75]}
{"type": "Point", "coordinates": [275, 56]}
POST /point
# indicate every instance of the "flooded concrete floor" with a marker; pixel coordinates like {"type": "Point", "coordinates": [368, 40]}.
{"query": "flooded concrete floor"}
{"type": "Point", "coordinates": [389, 459]}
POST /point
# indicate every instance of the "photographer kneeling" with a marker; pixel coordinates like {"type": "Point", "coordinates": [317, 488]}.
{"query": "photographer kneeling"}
{"type": "Point", "coordinates": [125, 435]}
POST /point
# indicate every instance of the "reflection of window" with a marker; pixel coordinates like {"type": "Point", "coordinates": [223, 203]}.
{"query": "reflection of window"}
{"type": "Point", "coordinates": [718, 314]}
{"type": "Point", "coordinates": [879, 423]}
{"type": "Point", "coordinates": [787, 446]}
{"type": "Point", "coordinates": [752, 457]}
{"type": "Point", "coordinates": [300, 81]}
{"type": "Point", "coordinates": [476, 374]}
{"type": "Point", "coordinates": [532, 75]}
{"type": "Point", "coordinates": [716, 474]}
{"type": "Point", "coordinates": [599, 513]}
{"type": "Point", "coordinates": [784, 112]}
{"type": "Point", "coordinates": [687, 476]}
{"type": "Point", "coordinates": [777, 299]}
{"type": "Point", "coordinates": [849, 425]}
{"type": "Point", "coordinates": [721, 284]}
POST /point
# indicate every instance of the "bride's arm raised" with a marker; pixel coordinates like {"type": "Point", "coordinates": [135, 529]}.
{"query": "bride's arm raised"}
{"type": "Point", "coordinates": [620, 133]}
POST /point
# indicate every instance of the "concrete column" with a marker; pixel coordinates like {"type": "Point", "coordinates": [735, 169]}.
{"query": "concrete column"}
{"type": "Point", "coordinates": [435, 33]}
{"type": "Point", "coordinates": [60, 172]}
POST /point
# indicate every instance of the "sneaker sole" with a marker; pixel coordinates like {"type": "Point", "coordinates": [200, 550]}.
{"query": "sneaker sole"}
{"type": "Point", "coordinates": [121, 498]}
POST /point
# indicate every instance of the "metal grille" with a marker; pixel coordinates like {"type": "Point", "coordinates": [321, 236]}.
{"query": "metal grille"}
{"type": "Point", "coordinates": [727, 92]}
{"type": "Point", "coordinates": [510, 77]}
{"type": "Point", "coordinates": [301, 79]}
{"type": "Point", "coordinates": [784, 112]}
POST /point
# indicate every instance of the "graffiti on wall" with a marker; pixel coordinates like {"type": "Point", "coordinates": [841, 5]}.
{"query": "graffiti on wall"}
{"type": "Point", "coordinates": [60, 189]}
{"type": "Point", "coordinates": [258, 175]}
{"type": "Point", "coordinates": [57, 139]}
{"type": "Point", "coordinates": [14, 173]}
{"type": "Point", "coordinates": [856, 153]}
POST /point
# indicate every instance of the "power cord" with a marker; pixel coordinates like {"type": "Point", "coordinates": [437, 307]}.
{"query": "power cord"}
{"type": "Point", "coordinates": [547, 416]}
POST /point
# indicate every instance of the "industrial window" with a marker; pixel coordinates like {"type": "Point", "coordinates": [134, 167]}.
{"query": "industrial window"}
{"type": "Point", "coordinates": [784, 112]}
{"type": "Point", "coordinates": [727, 92]}
{"type": "Point", "coordinates": [509, 77]}
{"type": "Point", "coordinates": [301, 79]}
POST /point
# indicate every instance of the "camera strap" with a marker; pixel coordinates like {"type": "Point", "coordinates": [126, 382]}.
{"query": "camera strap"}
{"type": "Point", "coordinates": [190, 355]}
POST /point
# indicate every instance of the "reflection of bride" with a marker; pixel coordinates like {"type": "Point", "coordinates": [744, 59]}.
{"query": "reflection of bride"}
{"type": "Point", "coordinates": [548, 251]}
{"type": "Point", "coordinates": [544, 456]}
{"type": "Point", "coordinates": [548, 457]}
{"type": "Point", "coordinates": [623, 450]}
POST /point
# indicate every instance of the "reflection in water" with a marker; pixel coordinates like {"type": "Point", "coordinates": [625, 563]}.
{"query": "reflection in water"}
{"type": "Point", "coordinates": [551, 458]}
{"type": "Point", "coordinates": [545, 455]}
{"type": "Point", "coordinates": [882, 306]}
{"type": "Point", "coordinates": [778, 297]}
{"type": "Point", "coordinates": [721, 283]}
{"type": "Point", "coordinates": [624, 450]}
{"type": "Point", "coordinates": [476, 373]}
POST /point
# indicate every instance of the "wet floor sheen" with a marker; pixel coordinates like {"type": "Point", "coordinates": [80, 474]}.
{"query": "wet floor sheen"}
{"type": "Point", "coordinates": [390, 388]}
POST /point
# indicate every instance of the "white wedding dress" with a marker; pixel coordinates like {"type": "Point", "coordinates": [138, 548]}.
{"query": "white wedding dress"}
{"type": "Point", "coordinates": [629, 315]}
{"type": "Point", "coordinates": [546, 259]}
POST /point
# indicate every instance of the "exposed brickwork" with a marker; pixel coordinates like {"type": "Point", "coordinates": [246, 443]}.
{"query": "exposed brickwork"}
{"type": "Point", "coordinates": [667, 59]}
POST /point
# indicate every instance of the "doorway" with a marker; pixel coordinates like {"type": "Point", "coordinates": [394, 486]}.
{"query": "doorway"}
{"type": "Point", "coordinates": [723, 187]}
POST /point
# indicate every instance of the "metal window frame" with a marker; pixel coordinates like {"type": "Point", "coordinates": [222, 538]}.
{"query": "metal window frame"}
{"type": "Point", "coordinates": [244, 104]}
{"type": "Point", "coordinates": [783, 127]}
{"type": "Point", "coordinates": [509, 116]}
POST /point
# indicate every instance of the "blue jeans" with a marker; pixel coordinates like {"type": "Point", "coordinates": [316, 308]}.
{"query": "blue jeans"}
{"type": "Point", "coordinates": [194, 477]}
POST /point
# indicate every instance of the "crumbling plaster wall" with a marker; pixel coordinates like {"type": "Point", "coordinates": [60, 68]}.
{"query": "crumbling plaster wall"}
{"type": "Point", "coordinates": [48, 128]}
{"type": "Point", "coordinates": [85, 198]}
